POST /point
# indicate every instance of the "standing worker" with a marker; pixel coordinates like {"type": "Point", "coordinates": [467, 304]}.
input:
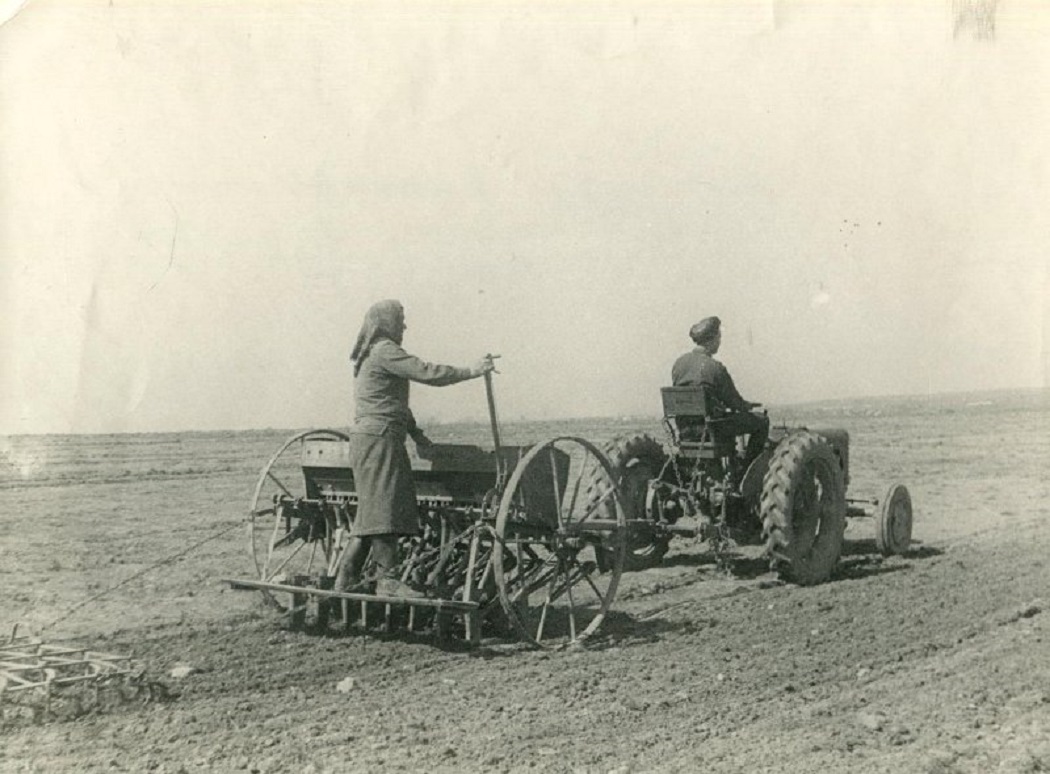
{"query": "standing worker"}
{"type": "Point", "coordinates": [386, 493]}
{"type": "Point", "coordinates": [699, 367]}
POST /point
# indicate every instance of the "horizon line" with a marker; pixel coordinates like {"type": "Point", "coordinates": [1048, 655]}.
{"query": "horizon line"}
{"type": "Point", "coordinates": [592, 417]}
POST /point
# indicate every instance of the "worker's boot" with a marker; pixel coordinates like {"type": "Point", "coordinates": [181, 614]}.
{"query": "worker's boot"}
{"type": "Point", "coordinates": [355, 585]}
{"type": "Point", "coordinates": [389, 585]}
{"type": "Point", "coordinates": [351, 583]}
{"type": "Point", "coordinates": [349, 577]}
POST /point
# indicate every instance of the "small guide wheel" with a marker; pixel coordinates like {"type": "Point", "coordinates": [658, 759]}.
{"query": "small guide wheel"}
{"type": "Point", "coordinates": [893, 521]}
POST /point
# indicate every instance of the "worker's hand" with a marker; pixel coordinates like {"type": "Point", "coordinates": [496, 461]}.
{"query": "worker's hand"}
{"type": "Point", "coordinates": [422, 442]}
{"type": "Point", "coordinates": [485, 365]}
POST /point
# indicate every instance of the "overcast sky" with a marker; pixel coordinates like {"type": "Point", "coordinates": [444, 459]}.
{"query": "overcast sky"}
{"type": "Point", "coordinates": [199, 201]}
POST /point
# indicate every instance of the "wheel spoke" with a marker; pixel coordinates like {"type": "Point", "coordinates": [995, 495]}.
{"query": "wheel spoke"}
{"type": "Point", "coordinates": [279, 513]}
{"type": "Point", "coordinates": [539, 579]}
{"type": "Point", "coordinates": [579, 481]}
{"type": "Point", "coordinates": [556, 487]}
{"type": "Point", "coordinates": [594, 588]}
{"type": "Point", "coordinates": [592, 507]}
{"type": "Point", "coordinates": [287, 559]}
{"type": "Point", "coordinates": [543, 619]}
{"type": "Point", "coordinates": [564, 588]}
{"type": "Point", "coordinates": [526, 548]}
{"type": "Point", "coordinates": [270, 475]}
{"type": "Point", "coordinates": [547, 602]}
{"type": "Point", "coordinates": [572, 613]}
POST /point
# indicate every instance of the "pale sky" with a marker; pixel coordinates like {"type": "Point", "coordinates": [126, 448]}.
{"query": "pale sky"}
{"type": "Point", "coordinates": [199, 201]}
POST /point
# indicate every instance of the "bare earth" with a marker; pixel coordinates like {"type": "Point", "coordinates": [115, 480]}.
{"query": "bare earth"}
{"type": "Point", "coordinates": [938, 661]}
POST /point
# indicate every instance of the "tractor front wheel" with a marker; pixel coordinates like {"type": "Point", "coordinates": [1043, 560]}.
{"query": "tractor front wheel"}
{"type": "Point", "coordinates": [804, 508]}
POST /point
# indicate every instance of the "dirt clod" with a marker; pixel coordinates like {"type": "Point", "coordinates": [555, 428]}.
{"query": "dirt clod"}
{"type": "Point", "coordinates": [346, 685]}
{"type": "Point", "coordinates": [873, 721]}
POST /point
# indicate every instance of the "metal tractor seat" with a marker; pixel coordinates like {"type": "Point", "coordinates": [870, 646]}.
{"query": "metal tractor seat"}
{"type": "Point", "coordinates": [697, 423]}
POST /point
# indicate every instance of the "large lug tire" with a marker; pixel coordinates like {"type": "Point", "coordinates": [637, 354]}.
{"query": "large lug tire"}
{"type": "Point", "coordinates": [635, 460]}
{"type": "Point", "coordinates": [804, 508]}
{"type": "Point", "coordinates": [893, 521]}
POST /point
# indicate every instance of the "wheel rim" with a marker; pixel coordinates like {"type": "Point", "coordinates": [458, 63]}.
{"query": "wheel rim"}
{"type": "Point", "coordinates": [816, 523]}
{"type": "Point", "coordinates": [289, 536]}
{"type": "Point", "coordinates": [635, 487]}
{"type": "Point", "coordinates": [898, 519]}
{"type": "Point", "coordinates": [813, 498]}
{"type": "Point", "coordinates": [548, 564]}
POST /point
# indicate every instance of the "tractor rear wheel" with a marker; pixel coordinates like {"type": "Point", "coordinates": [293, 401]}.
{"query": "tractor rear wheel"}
{"type": "Point", "coordinates": [635, 461]}
{"type": "Point", "coordinates": [804, 508]}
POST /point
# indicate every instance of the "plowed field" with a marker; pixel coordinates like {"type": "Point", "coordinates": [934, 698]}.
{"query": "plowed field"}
{"type": "Point", "coordinates": [937, 661]}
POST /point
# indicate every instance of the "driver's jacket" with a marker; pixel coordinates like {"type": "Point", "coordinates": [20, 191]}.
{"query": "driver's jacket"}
{"type": "Point", "coordinates": [697, 368]}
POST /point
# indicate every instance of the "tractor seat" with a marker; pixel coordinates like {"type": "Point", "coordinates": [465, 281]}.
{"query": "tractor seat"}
{"type": "Point", "coordinates": [697, 423]}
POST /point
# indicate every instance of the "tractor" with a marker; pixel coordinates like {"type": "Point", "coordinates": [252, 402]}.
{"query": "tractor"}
{"type": "Point", "coordinates": [791, 497]}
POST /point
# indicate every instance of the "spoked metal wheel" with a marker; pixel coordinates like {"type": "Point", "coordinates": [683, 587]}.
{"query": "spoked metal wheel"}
{"type": "Point", "coordinates": [291, 536]}
{"type": "Point", "coordinates": [549, 537]}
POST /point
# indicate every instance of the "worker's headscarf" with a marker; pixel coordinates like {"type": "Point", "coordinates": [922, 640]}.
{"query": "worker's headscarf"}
{"type": "Point", "coordinates": [382, 321]}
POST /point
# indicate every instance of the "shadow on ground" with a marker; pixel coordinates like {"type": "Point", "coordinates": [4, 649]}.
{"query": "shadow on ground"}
{"type": "Point", "coordinates": [623, 630]}
{"type": "Point", "coordinates": [859, 559]}
{"type": "Point", "coordinates": [735, 565]}
{"type": "Point", "coordinates": [862, 559]}
{"type": "Point", "coordinates": [867, 547]}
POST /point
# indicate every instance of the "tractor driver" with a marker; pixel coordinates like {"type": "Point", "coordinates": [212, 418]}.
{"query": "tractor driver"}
{"type": "Point", "coordinates": [699, 367]}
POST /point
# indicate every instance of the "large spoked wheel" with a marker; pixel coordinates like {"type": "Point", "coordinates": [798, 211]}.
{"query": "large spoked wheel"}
{"type": "Point", "coordinates": [550, 536]}
{"type": "Point", "coordinates": [893, 521]}
{"type": "Point", "coordinates": [290, 536]}
{"type": "Point", "coordinates": [635, 460]}
{"type": "Point", "coordinates": [804, 508]}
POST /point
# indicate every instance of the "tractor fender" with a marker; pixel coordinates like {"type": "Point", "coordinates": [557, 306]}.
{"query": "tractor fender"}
{"type": "Point", "coordinates": [751, 485]}
{"type": "Point", "coordinates": [839, 440]}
